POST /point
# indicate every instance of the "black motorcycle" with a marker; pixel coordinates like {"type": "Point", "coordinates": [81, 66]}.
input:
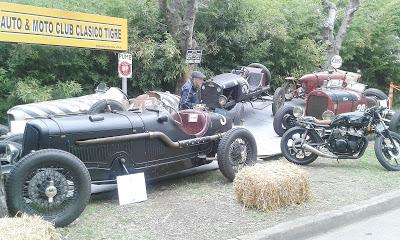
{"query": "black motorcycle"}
{"type": "Point", "coordinates": [344, 137]}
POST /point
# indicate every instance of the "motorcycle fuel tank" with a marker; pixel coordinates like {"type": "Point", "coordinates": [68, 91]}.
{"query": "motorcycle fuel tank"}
{"type": "Point", "coordinates": [351, 119]}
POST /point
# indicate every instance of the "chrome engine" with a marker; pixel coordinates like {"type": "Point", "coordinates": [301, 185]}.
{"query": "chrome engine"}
{"type": "Point", "coordinates": [346, 140]}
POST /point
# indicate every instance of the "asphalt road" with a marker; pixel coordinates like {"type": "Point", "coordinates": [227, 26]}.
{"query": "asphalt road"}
{"type": "Point", "coordinates": [381, 227]}
{"type": "Point", "coordinates": [257, 117]}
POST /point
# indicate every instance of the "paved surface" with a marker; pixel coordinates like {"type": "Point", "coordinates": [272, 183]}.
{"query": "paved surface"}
{"type": "Point", "coordinates": [311, 226]}
{"type": "Point", "coordinates": [382, 227]}
{"type": "Point", "coordinates": [257, 117]}
{"type": "Point", "coordinates": [259, 121]}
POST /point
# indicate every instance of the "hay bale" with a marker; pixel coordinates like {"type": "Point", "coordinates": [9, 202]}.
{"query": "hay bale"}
{"type": "Point", "coordinates": [27, 228]}
{"type": "Point", "coordinates": [272, 185]}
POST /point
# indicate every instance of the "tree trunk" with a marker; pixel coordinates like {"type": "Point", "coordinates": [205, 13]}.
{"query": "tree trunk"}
{"type": "Point", "coordinates": [180, 17]}
{"type": "Point", "coordinates": [3, 204]}
{"type": "Point", "coordinates": [334, 43]}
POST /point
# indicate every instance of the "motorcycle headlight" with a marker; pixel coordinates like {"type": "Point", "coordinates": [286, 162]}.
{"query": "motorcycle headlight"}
{"type": "Point", "coordinates": [222, 100]}
{"type": "Point", "coordinates": [328, 115]}
{"type": "Point", "coordinates": [298, 112]}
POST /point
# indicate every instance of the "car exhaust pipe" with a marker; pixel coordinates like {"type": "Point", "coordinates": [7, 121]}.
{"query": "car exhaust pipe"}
{"type": "Point", "coordinates": [151, 135]}
{"type": "Point", "coordinates": [318, 152]}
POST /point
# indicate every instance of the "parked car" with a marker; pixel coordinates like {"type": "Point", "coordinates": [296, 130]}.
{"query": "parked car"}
{"type": "Point", "coordinates": [300, 88]}
{"type": "Point", "coordinates": [62, 156]}
{"type": "Point", "coordinates": [336, 96]}
{"type": "Point", "coordinates": [104, 99]}
{"type": "Point", "coordinates": [241, 85]}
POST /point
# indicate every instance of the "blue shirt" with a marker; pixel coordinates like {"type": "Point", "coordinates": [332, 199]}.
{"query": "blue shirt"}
{"type": "Point", "coordinates": [188, 96]}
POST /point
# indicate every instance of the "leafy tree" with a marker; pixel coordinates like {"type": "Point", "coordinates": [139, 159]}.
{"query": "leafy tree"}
{"type": "Point", "coordinates": [284, 35]}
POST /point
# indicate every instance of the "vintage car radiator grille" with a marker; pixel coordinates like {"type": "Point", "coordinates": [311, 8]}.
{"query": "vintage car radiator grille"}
{"type": "Point", "coordinates": [209, 96]}
{"type": "Point", "coordinates": [316, 105]}
{"type": "Point", "coordinates": [30, 140]}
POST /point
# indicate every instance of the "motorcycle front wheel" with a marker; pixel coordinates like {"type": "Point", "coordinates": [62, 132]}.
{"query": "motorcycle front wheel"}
{"type": "Point", "coordinates": [291, 145]}
{"type": "Point", "coordinates": [387, 154]}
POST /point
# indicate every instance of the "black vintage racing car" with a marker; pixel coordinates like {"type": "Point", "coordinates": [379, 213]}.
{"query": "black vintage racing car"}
{"type": "Point", "coordinates": [241, 85]}
{"type": "Point", "coordinates": [62, 156]}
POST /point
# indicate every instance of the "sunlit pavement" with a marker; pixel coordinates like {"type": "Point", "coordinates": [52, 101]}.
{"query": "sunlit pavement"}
{"type": "Point", "coordinates": [257, 117]}
{"type": "Point", "coordinates": [381, 227]}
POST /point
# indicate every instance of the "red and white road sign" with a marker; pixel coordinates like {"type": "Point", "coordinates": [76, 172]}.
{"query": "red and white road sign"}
{"type": "Point", "coordinates": [124, 65]}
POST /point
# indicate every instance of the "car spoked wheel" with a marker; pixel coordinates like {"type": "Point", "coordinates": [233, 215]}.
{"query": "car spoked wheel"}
{"type": "Point", "coordinates": [290, 88]}
{"type": "Point", "coordinates": [291, 146]}
{"type": "Point", "coordinates": [278, 100]}
{"type": "Point", "coordinates": [388, 154]}
{"type": "Point", "coordinates": [236, 149]}
{"type": "Point", "coordinates": [238, 154]}
{"type": "Point", "coordinates": [50, 183]}
{"type": "Point", "coordinates": [49, 190]}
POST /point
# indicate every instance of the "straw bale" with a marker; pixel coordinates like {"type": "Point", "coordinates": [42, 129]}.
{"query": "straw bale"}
{"type": "Point", "coordinates": [272, 185]}
{"type": "Point", "coordinates": [27, 228]}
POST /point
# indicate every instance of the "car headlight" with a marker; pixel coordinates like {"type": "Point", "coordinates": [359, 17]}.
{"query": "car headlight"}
{"type": "Point", "coordinates": [222, 100]}
{"type": "Point", "coordinates": [9, 153]}
{"type": "Point", "coordinates": [298, 112]}
{"type": "Point", "coordinates": [328, 115]}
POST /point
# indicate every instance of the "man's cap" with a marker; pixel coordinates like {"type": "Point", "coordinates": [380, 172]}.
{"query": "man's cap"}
{"type": "Point", "coordinates": [198, 74]}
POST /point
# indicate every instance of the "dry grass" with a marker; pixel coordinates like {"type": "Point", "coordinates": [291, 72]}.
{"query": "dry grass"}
{"type": "Point", "coordinates": [272, 185]}
{"type": "Point", "coordinates": [27, 228]}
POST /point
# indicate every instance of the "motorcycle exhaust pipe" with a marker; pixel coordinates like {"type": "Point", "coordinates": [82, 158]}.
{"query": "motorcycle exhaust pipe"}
{"type": "Point", "coordinates": [319, 153]}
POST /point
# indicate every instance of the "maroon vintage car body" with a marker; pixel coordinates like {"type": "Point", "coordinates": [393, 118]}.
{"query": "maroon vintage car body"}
{"type": "Point", "coordinates": [337, 100]}
{"type": "Point", "coordinates": [312, 81]}
{"type": "Point", "coordinates": [336, 95]}
{"type": "Point", "coordinates": [302, 87]}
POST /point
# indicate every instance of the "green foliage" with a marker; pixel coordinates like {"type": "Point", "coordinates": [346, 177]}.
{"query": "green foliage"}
{"type": "Point", "coordinates": [283, 35]}
{"type": "Point", "coordinates": [373, 43]}
{"type": "Point", "coordinates": [66, 89]}
{"type": "Point", "coordinates": [30, 90]}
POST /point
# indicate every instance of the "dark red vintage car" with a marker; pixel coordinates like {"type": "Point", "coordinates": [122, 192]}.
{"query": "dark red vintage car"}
{"type": "Point", "coordinates": [300, 88]}
{"type": "Point", "coordinates": [337, 96]}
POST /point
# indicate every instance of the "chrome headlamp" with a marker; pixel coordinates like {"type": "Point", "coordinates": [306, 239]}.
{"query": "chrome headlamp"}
{"type": "Point", "coordinates": [298, 112]}
{"type": "Point", "coordinates": [328, 115]}
{"type": "Point", "coordinates": [222, 100]}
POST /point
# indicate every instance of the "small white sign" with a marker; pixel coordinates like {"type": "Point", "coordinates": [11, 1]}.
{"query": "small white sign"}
{"type": "Point", "coordinates": [193, 56]}
{"type": "Point", "coordinates": [193, 118]}
{"type": "Point", "coordinates": [124, 65]}
{"type": "Point", "coordinates": [131, 188]}
{"type": "Point", "coordinates": [336, 61]}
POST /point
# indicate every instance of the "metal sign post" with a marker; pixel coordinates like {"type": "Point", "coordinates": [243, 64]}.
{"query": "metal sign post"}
{"type": "Point", "coordinates": [125, 69]}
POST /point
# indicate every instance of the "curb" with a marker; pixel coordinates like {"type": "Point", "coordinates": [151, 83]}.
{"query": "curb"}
{"type": "Point", "coordinates": [306, 227]}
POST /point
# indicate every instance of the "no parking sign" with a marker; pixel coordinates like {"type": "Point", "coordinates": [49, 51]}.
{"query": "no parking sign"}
{"type": "Point", "coordinates": [125, 65]}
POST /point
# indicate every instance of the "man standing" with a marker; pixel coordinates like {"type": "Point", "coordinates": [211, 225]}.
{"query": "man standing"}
{"type": "Point", "coordinates": [188, 93]}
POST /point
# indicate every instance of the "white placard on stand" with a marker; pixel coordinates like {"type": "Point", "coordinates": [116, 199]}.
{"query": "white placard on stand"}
{"type": "Point", "coordinates": [131, 188]}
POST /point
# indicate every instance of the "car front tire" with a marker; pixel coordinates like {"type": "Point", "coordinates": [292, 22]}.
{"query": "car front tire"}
{"type": "Point", "coordinates": [236, 149]}
{"type": "Point", "coordinates": [51, 183]}
{"type": "Point", "coordinates": [283, 119]}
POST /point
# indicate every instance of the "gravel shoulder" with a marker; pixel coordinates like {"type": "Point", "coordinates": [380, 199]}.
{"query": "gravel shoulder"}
{"type": "Point", "coordinates": [203, 206]}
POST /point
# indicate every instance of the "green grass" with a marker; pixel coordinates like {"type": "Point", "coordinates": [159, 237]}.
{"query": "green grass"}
{"type": "Point", "coordinates": [203, 206]}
